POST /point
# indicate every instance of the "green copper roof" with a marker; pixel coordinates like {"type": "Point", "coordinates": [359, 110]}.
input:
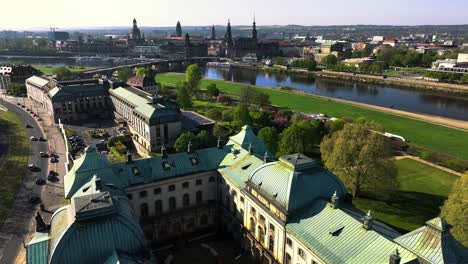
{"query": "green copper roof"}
{"type": "Point", "coordinates": [335, 236]}
{"type": "Point", "coordinates": [238, 165]}
{"type": "Point", "coordinates": [295, 181]}
{"type": "Point", "coordinates": [77, 90]}
{"type": "Point", "coordinates": [37, 251]}
{"type": "Point", "coordinates": [434, 243]}
{"type": "Point", "coordinates": [144, 106]}
{"type": "Point", "coordinates": [246, 138]}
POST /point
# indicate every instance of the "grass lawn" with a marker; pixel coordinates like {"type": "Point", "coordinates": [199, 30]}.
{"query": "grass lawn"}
{"type": "Point", "coordinates": [49, 70]}
{"type": "Point", "coordinates": [14, 165]}
{"type": "Point", "coordinates": [453, 142]}
{"type": "Point", "coordinates": [422, 191]}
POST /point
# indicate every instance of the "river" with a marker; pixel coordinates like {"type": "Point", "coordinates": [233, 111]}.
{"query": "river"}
{"type": "Point", "coordinates": [406, 99]}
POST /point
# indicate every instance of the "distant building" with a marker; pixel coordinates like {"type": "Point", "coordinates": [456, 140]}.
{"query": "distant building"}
{"type": "Point", "coordinates": [238, 47]}
{"type": "Point", "coordinates": [15, 73]}
{"type": "Point", "coordinates": [148, 50]}
{"type": "Point", "coordinates": [143, 83]}
{"type": "Point", "coordinates": [378, 38]}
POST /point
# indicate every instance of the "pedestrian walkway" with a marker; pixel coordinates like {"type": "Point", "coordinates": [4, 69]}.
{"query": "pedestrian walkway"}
{"type": "Point", "coordinates": [428, 163]}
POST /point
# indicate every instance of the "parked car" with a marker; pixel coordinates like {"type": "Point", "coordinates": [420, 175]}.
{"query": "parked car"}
{"type": "Point", "coordinates": [42, 139]}
{"type": "Point", "coordinates": [27, 109]}
{"type": "Point", "coordinates": [33, 138]}
{"type": "Point", "coordinates": [43, 154]}
{"type": "Point", "coordinates": [28, 126]}
{"type": "Point", "coordinates": [31, 166]}
{"type": "Point", "coordinates": [53, 159]}
{"type": "Point", "coordinates": [40, 181]}
{"type": "Point", "coordinates": [18, 103]}
{"type": "Point", "coordinates": [38, 118]}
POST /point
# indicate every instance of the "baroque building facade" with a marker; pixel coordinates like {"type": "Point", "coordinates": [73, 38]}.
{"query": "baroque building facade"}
{"type": "Point", "coordinates": [289, 210]}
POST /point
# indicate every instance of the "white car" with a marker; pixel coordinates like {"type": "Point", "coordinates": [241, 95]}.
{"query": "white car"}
{"type": "Point", "coordinates": [31, 166]}
{"type": "Point", "coordinates": [33, 138]}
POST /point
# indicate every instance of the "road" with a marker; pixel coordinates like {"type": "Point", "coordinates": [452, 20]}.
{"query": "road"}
{"type": "Point", "coordinates": [19, 222]}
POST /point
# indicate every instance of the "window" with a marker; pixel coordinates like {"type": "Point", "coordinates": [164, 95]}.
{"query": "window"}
{"type": "Point", "coordinates": [262, 219]}
{"type": "Point", "coordinates": [166, 166]}
{"type": "Point", "coordinates": [271, 243]}
{"type": "Point", "coordinates": [185, 185]}
{"type": "Point", "coordinates": [288, 259]}
{"type": "Point", "coordinates": [143, 194]}
{"type": "Point", "coordinates": [289, 242]}
{"type": "Point", "coordinates": [144, 209]}
{"type": "Point", "coordinates": [261, 235]}
{"type": "Point", "coordinates": [158, 206]}
{"type": "Point", "coordinates": [171, 188]}
{"type": "Point", "coordinates": [199, 197]}
{"type": "Point", "coordinates": [204, 219]}
{"type": "Point", "coordinates": [199, 182]}
{"type": "Point", "coordinates": [252, 210]}
{"type": "Point", "coordinates": [129, 196]}
{"type": "Point", "coordinates": [186, 200]}
{"type": "Point", "coordinates": [194, 161]}
{"type": "Point", "coordinates": [242, 199]}
{"type": "Point", "coordinates": [211, 179]}
{"type": "Point", "coordinates": [166, 134]}
{"type": "Point", "coordinates": [157, 191]}
{"type": "Point", "coordinates": [272, 228]}
{"type": "Point", "coordinates": [314, 262]}
{"type": "Point", "coordinates": [301, 253]}
{"type": "Point", "coordinates": [172, 203]}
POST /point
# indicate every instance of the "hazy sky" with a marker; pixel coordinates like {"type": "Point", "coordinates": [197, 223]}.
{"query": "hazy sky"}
{"type": "Point", "coordinates": [19, 14]}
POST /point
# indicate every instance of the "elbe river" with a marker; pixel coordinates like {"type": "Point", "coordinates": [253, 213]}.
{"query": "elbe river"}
{"type": "Point", "coordinates": [407, 99]}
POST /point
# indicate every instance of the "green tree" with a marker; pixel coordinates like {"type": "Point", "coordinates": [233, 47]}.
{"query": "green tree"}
{"type": "Point", "coordinates": [269, 135]}
{"type": "Point", "coordinates": [193, 76]}
{"type": "Point", "coordinates": [212, 90]}
{"type": "Point", "coordinates": [16, 89]}
{"type": "Point", "coordinates": [329, 60]}
{"type": "Point", "coordinates": [455, 209]}
{"type": "Point", "coordinates": [204, 139]}
{"type": "Point", "coordinates": [181, 144]}
{"type": "Point", "coordinates": [183, 97]}
{"type": "Point", "coordinates": [124, 74]}
{"type": "Point", "coordinates": [464, 78]}
{"type": "Point", "coordinates": [262, 119]}
{"type": "Point", "coordinates": [334, 126]}
{"type": "Point", "coordinates": [361, 158]}
{"type": "Point", "coordinates": [253, 96]}
{"type": "Point", "coordinates": [63, 73]}
{"type": "Point", "coordinates": [242, 116]}
{"type": "Point", "coordinates": [141, 71]}
{"type": "Point", "coordinates": [300, 137]}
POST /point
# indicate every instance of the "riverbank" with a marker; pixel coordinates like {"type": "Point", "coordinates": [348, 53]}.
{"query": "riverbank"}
{"type": "Point", "coordinates": [420, 130]}
{"type": "Point", "coordinates": [458, 89]}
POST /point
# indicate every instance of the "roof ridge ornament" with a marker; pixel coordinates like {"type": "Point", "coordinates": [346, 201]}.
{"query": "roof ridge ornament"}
{"type": "Point", "coordinates": [250, 148]}
{"type": "Point", "coordinates": [395, 258]}
{"type": "Point", "coordinates": [368, 221]}
{"type": "Point", "coordinates": [334, 200]}
{"type": "Point", "coordinates": [265, 157]}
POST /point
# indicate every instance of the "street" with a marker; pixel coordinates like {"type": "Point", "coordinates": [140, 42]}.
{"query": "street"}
{"type": "Point", "coordinates": [19, 226]}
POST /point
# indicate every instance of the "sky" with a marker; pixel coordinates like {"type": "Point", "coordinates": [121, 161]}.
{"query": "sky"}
{"type": "Point", "coordinates": [27, 14]}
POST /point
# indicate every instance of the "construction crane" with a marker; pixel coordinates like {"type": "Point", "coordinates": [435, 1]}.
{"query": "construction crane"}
{"type": "Point", "coordinates": [52, 29]}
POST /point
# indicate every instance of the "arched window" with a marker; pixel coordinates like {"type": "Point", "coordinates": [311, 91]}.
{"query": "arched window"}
{"type": "Point", "coordinates": [271, 243]}
{"type": "Point", "coordinates": [252, 225]}
{"type": "Point", "coordinates": [186, 200]}
{"type": "Point", "coordinates": [261, 235]}
{"type": "Point", "coordinates": [199, 197]}
{"type": "Point", "coordinates": [288, 259]}
{"type": "Point", "coordinates": [204, 220]}
{"type": "Point", "coordinates": [158, 207]}
{"type": "Point", "coordinates": [172, 203]}
{"type": "Point", "coordinates": [144, 209]}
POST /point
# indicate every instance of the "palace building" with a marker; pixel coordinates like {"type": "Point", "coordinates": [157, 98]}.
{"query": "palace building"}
{"type": "Point", "coordinates": [289, 210]}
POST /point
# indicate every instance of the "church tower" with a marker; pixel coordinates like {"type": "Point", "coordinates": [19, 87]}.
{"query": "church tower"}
{"type": "Point", "coordinates": [178, 29]}
{"type": "Point", "coordinates": [136, 34]}
{"type": "Point", "coordinates": [188, 45]}
{"type": "Point", "coordinates": [254, 29]}
{"type": "Point", "coordinates": [213, 33]}
{"type": "Point", "coordinates": [228, 40]}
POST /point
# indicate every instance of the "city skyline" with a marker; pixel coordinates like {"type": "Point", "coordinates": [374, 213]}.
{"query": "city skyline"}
{"type": "Point", "coordinates": [89, 14]}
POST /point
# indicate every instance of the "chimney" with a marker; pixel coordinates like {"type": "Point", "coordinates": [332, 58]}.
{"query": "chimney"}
{"type": "Point", "coordinates": [265, 157]}
{"type": "Point", "coordinates": [368, 219]}
{"type": "Point", "coordinates": [129, 158]}
{"type": "Point", "coordinates": [219, 142]}
{"type": "Point", "coordinates": [189, 147]}
{"type": "Point", "coordinates": [163, 151]}
{"type": "Point", "coordinates": [250, 149]}
{"type": "Point", "coordinates": [395, 258]}
{"type": "Point", "coordinates": [334, 201]}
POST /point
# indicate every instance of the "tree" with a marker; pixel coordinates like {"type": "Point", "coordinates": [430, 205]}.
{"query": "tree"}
{"type": "Point", "coordinates": [242, 116]}
{"type": "Point", "coordinates": [464, 78]}
{"type": "Point", "coordinates": [305, 63]}
{"type": "Point", "coordinates": [335, 125]}
{"type": "Point", "coordinates": [262, 119]}
{"type": "Point", "coordinates": [329, 60]}
{"type": "Point", "coordinates": [204, 139]}
{"type": "Point", "coordinates": [253, 96]}
{"type": "Point", "coordinates": [455, 209]}
{"type": "Point", "coordinates": [141, 71]}
{"type": "Point", "coordinates": [212, 90]}
{"type": "Point", "coordinates": [300, 137]}
{"type": "Point", "coordinates": [193, 77]}
{"type": "Point", "coordinates": [16, 89]}
{"type": "Point", "coordinates": [124, 73]}
{"type": "Point", "coordinates": [63, 73]}
{"type": "Point", "coordinates": [361, 158]}
{"type": "Point", "coordinates": [269, 135]}
{"type": "Point", "coordinates": [182, 141]}
{"type": "Point", "coordinates": [183, 97]}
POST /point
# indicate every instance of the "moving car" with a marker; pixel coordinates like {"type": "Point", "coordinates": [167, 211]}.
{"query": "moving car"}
{"type": "Point", "coordinates": [31, 166]}
{"type": "Point", "coordinates": [33, 138]}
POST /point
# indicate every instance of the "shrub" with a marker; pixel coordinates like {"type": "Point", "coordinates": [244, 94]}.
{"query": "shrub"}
{"type": "Point", "coordinates": [214, 114]}
{"type": "Point", "coordinates": [212, 90]}
{"type": "Point", "coordinates": [224, 99]}
{"type": "Point", "coordinates": [426, 155]}
{"type": "Point", "coordinates": [227, 115]}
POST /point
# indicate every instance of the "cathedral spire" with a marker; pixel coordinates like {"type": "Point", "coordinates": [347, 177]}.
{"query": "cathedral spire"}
{"type": "Point", "coordinates": [228, 40]}
{"type": "Point", "coordinates": [254, 29]}
{"type": "Point", "coordinates": [178, 29]}
{"type": "Point", "coordinates": [213, 33]}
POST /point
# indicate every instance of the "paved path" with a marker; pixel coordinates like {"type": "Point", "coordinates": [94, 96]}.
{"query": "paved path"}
{"type": "Point", "coordinates": [428, 163]}
{"type": "Point", "coordinates": [20, 225]}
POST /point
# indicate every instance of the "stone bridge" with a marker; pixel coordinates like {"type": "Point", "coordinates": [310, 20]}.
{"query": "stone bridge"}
{"type": "Point", "coordinates": [162, 64]}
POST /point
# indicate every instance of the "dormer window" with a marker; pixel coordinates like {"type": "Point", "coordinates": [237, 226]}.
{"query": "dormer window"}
{"type": "Point", "coordinates": [246, 166]}
{"type": "Point", "coordinates": [166, 166]}
{"type": "Point", "coordinates": [194, 161]}
{"type": "Point", "coordinates": [136, 171]}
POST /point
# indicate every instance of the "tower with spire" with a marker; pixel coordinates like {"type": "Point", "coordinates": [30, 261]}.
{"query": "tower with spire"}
{"type": "Point", "coordinates": [178, 29]}
{"type": "Point", "coordinates": [136, 34]}
{"type": "Point", "coordinates": [228, 40]}
{"type": "Point", "coordinates": [188, 46]}
{"type": "Point", "coordinates": [213, 33]}
{"type": "Point", "coordinates": [254, 29]}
